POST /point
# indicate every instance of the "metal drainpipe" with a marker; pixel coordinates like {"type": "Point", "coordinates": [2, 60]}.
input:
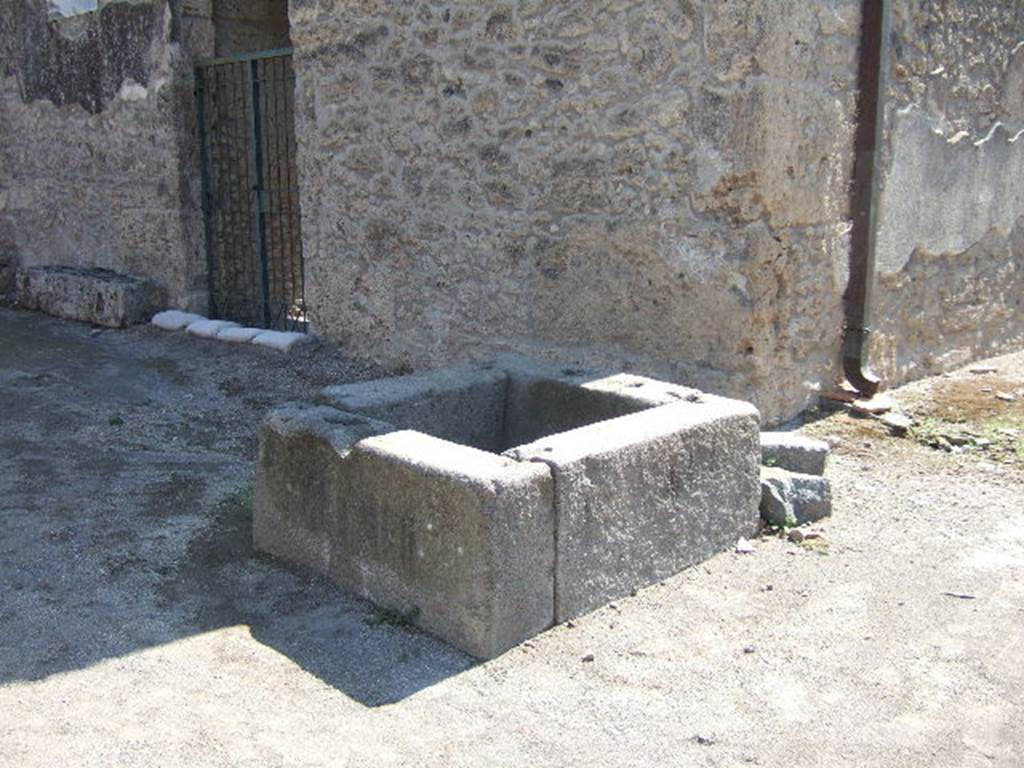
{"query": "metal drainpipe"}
{"type": "Point", "coordinates": [872, 79]}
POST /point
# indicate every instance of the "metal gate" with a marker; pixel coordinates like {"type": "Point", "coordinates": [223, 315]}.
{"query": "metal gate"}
{"type": "Point", "coordinates": [245, 108]}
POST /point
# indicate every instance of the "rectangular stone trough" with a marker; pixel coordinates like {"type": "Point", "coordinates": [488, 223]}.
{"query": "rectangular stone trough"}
{"type": "Point", "coordinates": [88, 294]}
{"type": "Point", "coordinates": [490, 502]}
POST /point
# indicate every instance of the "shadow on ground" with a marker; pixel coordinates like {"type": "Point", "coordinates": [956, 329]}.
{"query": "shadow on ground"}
{"type": "Point", "coordinates": [345, 642]}
{"type": "Point", "coordinates": [125, 514]}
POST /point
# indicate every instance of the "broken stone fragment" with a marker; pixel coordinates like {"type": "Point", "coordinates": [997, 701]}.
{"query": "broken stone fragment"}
{"type": "Point", "coordinates": [899, 424]}
{"type": "Point", "coordinates": [744, 547]}
{"type": "Point", "coordinates": [954, 438]}
{"type": "Point", "coordinates": [874, 405]}
{"type": "Point", "coordinates": [791, 498]}
{"type": "Point", "coordinates": [788, 450]}
{"type": "Point", "coordinates": [844, 393]}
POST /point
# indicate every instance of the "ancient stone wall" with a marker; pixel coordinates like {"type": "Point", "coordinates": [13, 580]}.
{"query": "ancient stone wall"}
{"type": "Point", "coordinates": [951, 226]}
{"type": "Point", "coordinates": [655, 184]}
{"type": "Point", "coordinates": [97, 162]}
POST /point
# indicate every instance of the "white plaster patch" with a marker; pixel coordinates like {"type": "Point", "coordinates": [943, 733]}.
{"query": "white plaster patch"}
{"type": "Point", "coordinates": [691, 256]}
{"type": "Point", "coordinates": [72, 7]}
{"type": "Point", "coordinates": [968, 184]}
{"type": "Point", "coordinates": [132, 91]}
{"type": "Point", "coordinates": [991, 132]}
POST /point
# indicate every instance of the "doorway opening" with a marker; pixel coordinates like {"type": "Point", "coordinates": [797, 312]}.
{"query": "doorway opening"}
{"type": "Point", "coordinates": [245, 103]}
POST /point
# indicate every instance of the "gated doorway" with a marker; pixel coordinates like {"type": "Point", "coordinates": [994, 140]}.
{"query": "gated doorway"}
{"type": "Point", "coordinates": [245, 109]}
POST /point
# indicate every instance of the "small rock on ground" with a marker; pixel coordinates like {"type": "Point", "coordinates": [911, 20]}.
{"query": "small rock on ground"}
{"type": "Point", "coordinates": [790, 498]}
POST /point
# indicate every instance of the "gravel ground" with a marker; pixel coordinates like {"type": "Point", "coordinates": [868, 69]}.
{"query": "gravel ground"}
{"type": "Point", "coordinates": [138, 628]}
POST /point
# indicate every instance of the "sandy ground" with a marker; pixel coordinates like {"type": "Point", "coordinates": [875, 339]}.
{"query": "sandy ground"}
{"type": "Point", "coordinates": [138, 628]}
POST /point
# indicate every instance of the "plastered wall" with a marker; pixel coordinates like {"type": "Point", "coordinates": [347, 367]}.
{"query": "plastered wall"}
{"type": "Point", "coordinates": [97, 162]}
{"type": "Point", "coordinates": [951, 232]}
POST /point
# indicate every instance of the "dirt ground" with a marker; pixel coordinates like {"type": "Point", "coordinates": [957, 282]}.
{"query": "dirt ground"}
{"type": "Point", "coordinates": [138, 628]}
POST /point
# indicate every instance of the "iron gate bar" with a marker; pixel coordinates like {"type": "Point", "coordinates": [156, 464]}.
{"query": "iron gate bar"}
{"type": "Point", "coordinates": [271, 152]}
{"type": "Point", "coordinates": [204, 162]}
{"type": "Point", "coordinates": [290, 184]}
{"type": "Point", "coordinates": [246, 192]}
{"type": "Point", "coordinates": [256, 127]}
{"type": "Point", "coordinates": [277, 209]}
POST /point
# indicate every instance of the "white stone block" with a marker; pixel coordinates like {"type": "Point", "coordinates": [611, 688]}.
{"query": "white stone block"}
{"type": "Point", "coordinates": [175, 319]}
{"type": "Point", "coordinates": [794, 452]}
{"type": "Point", "coordinates": [282, 341]}
{"type": "Point", "coordinates": [239, 335]}
{"type": "Point", "coordinates": [208, 329]}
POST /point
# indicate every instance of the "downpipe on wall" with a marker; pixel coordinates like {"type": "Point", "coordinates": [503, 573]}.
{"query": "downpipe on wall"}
{"type": "Point", "coordinates": [872, 82]}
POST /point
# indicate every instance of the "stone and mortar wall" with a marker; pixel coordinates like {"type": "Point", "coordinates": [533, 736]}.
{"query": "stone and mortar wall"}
{"type": "Point", "coordinates": [951, 227]}
{"type": "Point", "coordinates": [97, 162]}
{"type": "Point", "coordinates": [243, 26]}
{"type": "Point", "coordinates": [654, 184]}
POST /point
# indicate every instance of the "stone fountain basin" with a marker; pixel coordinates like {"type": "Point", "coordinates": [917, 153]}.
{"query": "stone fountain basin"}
{"type": "Point", "coordinates": [489, 502]}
